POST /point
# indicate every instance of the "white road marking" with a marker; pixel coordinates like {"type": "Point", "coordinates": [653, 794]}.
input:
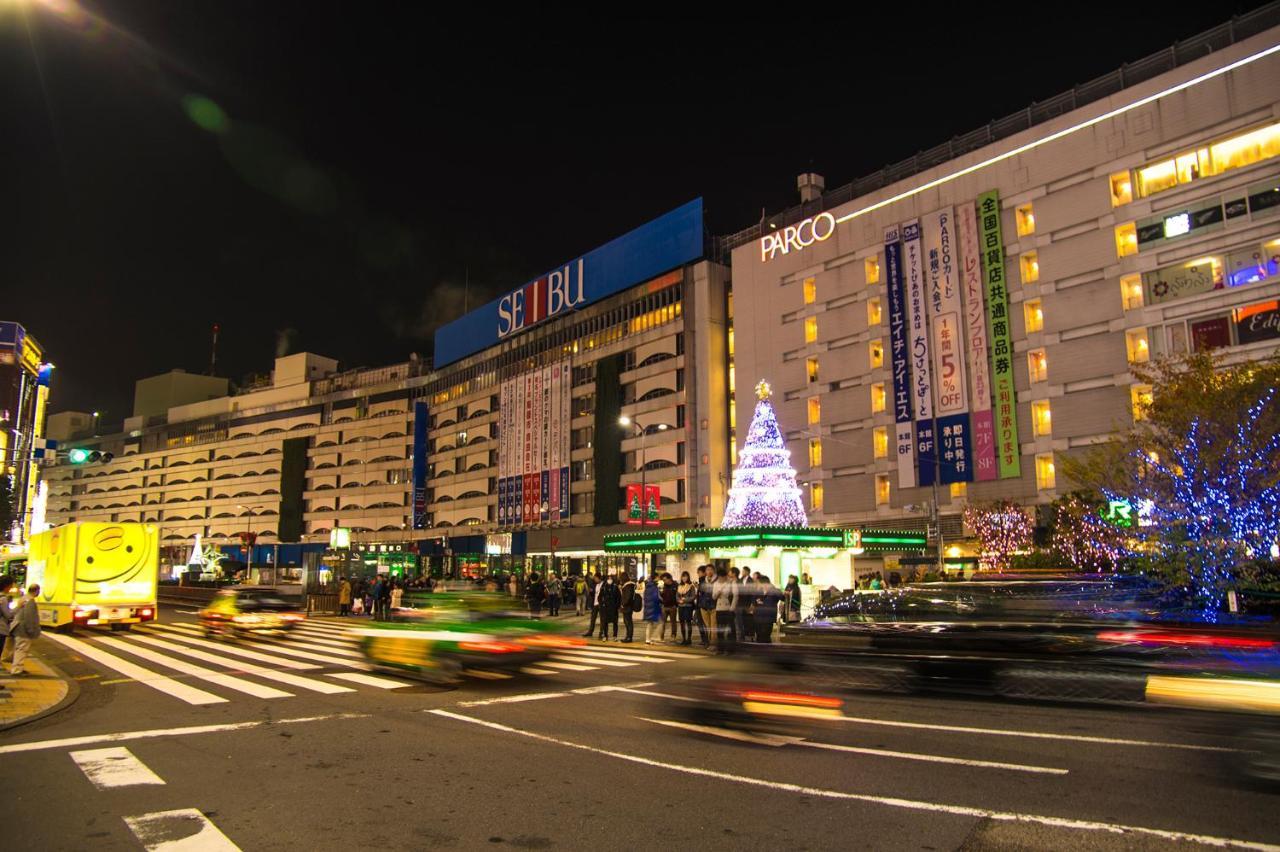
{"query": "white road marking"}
{"type": "Point", "coordinates": [228, 648]}
{"type": "Point", "coordinates": [249, 668]}
{"type": "Point", "coordinates": [656, 694]}
{"type": "Point", "coordinates": [1040, 735]}
{"type": "Point", "coordinates": [114, 767]}
{"type": "Point", "coordinates": [567, 666]}
{"type": "Point", "coordinates": [209, 675]}
{"type": "Point", "coordinates": [774, 740]}
{"type": "Point", "coordinates": [648, 651]}
{"type": "Point", "coordinates": [591, 690]}
{"type": "Point", "coordinates": [598, 659]}
{"type": "Point", "coordinates": [937, 758]}
{"type": "Point", "coordinates": [530, 670]}
{"type": "Point", "coordinates": [158, 682]}
{"type": "Point", "coordinates": [514, 699]}
{"type": "Point", "coordinates": [625, 655]}
{"type": "Point", "coordinates": [485, 674]}
{"type": "Point", "coordinates": [887, 801]}
{"type": "Point", "coordinates": [43, 745]}
{"type": "Point", "coordinates": [280, 644]}
{"type": "Point", "coordinates": [370, 680]}
{"type": "Point", "coordinates": [195, 832]}
{"type": "Point", "coordinates": [307, 655]}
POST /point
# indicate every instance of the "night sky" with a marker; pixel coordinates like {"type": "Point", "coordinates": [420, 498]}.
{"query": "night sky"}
{"type": "Point", "coordinates": [325, 176]}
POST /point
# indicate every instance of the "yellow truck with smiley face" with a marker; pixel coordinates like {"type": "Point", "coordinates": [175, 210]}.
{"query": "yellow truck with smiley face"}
{"type": "Point", "coordinates": [96, 574]}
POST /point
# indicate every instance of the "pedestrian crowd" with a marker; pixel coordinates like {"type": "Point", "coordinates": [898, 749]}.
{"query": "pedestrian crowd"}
{"type": "Point", "coordinates": [378, 596]}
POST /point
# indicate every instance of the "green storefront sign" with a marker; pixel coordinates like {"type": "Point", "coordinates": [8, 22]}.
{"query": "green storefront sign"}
{"type": "Point", "coordinates": [1008, 452]}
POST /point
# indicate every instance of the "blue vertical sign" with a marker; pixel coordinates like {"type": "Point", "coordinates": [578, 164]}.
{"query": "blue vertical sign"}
{"type": "Point", "coordinates": [918, 352]}
{"type": "Point", "coordinates": [946, 322]}
{"type": "Point", "coordinates": [904, 440]}
{"type": "Point", "coordinates": [420, 416]}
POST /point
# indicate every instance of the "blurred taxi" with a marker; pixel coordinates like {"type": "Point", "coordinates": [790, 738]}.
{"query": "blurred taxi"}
{"type": "Point", "coordinates": [241, 610]}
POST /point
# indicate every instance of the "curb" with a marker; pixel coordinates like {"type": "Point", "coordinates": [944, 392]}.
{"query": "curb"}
{"type": "Point", "coordinates": [73, 693]}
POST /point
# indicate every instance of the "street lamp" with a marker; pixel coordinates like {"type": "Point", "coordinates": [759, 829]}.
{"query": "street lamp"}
{"type": "Point", "coordinates": [643, 432]}
{"type": "Point", "coordinates": [248, 536]}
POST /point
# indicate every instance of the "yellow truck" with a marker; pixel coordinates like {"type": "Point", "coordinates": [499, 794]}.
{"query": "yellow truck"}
{"type": "Point", "coordinates": [95, 573]}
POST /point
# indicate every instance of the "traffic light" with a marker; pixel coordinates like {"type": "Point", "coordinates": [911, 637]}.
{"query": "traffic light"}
{"type": "Point", "coordinates": [79, 455]}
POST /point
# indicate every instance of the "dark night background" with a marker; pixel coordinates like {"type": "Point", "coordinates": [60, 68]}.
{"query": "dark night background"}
{"type": "Point", "coordinates": [324, 176]}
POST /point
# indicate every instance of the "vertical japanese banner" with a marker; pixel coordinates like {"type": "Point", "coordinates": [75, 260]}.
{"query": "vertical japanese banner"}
{"type": "Point", "coordinates": [899, 357]}
{"type": "Point", "coordinates": [975, 313]}
{"type": "Point", "coordinates": [1008, 450]}
{"type": "Point", "coordinates": [544, 444]}
{"type": "Point", "coordinates": [531, 411]}
{"type": "Point", "coordinates": [566, 434]}
{"type": "Point", "coordinates": [522, 434]}
{"type": "Point", "coordinates": [502, 454]}
{"type": "Point", "coordinates": [945, 321]}
{"type": "Point", "coordinates": [420, 416]}
{"type": "Point", "coordinates": [553, 447]}
{"type": "Point", "coordinates": [918, 349]}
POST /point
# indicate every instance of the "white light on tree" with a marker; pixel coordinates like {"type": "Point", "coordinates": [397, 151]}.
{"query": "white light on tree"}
{"type": "Point", "coordinates": [764, 491]}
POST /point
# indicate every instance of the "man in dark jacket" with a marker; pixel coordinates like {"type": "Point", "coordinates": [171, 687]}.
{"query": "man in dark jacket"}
{"type": "Point", "coordinates": [593, 601]}
{"type": "Point", "coordinates": [534, 594]}
{"type": "Point", "coordinates": [706, 606]}
{"type": "Point", "coordinates": [767, 596]}
{"type": "Point", "coordinates": [610, 601]}
{"type": "Point", "coordinates": [628, 611]}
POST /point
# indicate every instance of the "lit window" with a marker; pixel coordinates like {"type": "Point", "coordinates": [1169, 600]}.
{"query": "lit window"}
{"type": "Point", "coordinates": [1131, 292]}
{"type": "Point", "coordinates": [811, 368]}
{"type": "Point", "coordinates": [815, 497]}
{"type": "Point", "coordinates": [815, 411]}
{"type": "Point", "coordinates": [1157, 177]}
{"type": "Point", "coordinates": [880, 441]}
{"type": "Point", "coordinates": [1037, 366]}
{"type": "Point", "coordinates": [815, 452]}
{"type": "Point", "coordinates": [1034, 315]}
{"type": "Point", "coordinates": [731, 342]}
{"type": "Point", "coordinates": [877, 397]}
{"type": "Point", "coordinates": [733, 378]}
{"type": "Point", "coordinates": [1140, 399]}
{"type": "Point", "coordinates": [1025, 218]}
{"type": "Point", "coordinates": [1121, 189]}
{"type": "Point", "coordinates": [1126, 239]}
{"type": "Point", "coordinates": [1046, 476]}
{"type": "Point", "coordinates": [959, 489]}
{"type": "Point", "coordinates": [1244, 150]}
{"type": "Point", "coordinates": [1136, 345]}
{"type": "Point", "coordinates": [872, 266]}
{"type": "Point", "coordinates": [1030, 265]}
{"type": "Point", "coordinates": [810, 329]}
{"type": "Point", "coordinates": [873, 311]}
{"type": "Point", "coordinates": [876, 348]}
{"type": "Point", "coordinates": [1041, 419]}
{"type": "Point", "coordinates": [810, 291]}
{"type": "Point", "coordinates": [882, 489]}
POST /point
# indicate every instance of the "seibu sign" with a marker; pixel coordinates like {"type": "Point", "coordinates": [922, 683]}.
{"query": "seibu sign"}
{"type": "Point", "coordinates": [815, 229]}
{"type": "Point", "coordinates": [541, 299]}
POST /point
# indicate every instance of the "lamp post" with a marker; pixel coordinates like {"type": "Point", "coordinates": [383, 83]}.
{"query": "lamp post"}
{"type": "Point", "coordinates": [248, 536]}
{"type": "Point", "coordinates": [643, 432]}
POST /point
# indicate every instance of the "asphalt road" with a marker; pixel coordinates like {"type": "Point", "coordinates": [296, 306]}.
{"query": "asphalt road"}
{"type": "Point", "coordinates": [178, 745]}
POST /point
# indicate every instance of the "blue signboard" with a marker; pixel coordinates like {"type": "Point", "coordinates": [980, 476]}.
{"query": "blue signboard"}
{"type": "Point", "coordinates": [668, 242]}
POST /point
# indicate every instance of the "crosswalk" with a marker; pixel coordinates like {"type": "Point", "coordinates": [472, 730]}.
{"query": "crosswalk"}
{"type": "Point", "coordinates": [319, 657]}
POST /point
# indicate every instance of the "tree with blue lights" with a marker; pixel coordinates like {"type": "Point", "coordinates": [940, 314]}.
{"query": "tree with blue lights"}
{"type": "Point", "coordinates": [764, 491]}
{"type": "Point", "coordinates": [1204, 455]}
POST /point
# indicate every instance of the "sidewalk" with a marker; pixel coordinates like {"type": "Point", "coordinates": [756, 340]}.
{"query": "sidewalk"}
{"type": "Point", "coordinates": [40, 692]}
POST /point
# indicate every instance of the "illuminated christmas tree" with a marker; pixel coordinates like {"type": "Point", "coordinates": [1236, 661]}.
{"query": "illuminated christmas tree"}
{"type": "Point", "coordinates": [764, 491]}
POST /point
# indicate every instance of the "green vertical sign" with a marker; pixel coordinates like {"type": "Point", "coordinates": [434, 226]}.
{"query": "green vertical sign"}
{"type": "Point", "coordinates": [1008, 453]}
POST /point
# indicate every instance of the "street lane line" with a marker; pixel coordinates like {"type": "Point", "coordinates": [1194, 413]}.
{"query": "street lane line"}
{"type": "Point", "coordinates": [656, 694]}
{"type": "Point", "coordinates": [773, 740]}
{"type": "Point", "coordinates": [43, 745]}
{"type": "Point", "coordinates": [320, 626]}
{"type": "Point", "coordinates": [370, 680]}
{"type": "Point", "coordinates": [156, 681]}
{"type": "Point", "coordinates": [513, 699]}
{"type": "Point", "coordinates": [530, 670]}
{"type": "Point", "coordinates": [227, 648]}
{"type": "Point", "coordinates": [249, 668]}
{"type": "Point", "coordinates": [1038, 735]}
{"type": "Point", "coordinates": [592, 690]}
{"type": "Point", "coordinates": [325, 636]}
{"type": "Point", "coordinates": [114, 767]}
{"type": "Point", "coordinates": [277, 643]}
{"type": "Point", "coordinates": [888, 801]}
{"type": "Point", "coordinates": [598, 659]}
{"type": "Point", "coordinates": [570, 667]}
{"type": "Point", "coordinates": [209, 675]}
{"type": "Point", "coordinates": [197, 833]}
{"type": "Point", "coordinates": [646, 650]}
{"type": "Point", "coordinates": [484, 674]}
{"type": "Point", "coordinates": [306, 655]}
{"type": "Point", "coordinates": [625, 655]}
{"type": "Point", "coordinates": [937, 758]}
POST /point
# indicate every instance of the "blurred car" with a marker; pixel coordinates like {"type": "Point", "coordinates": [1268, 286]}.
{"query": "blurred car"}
{"type": "Point", "coordinates": [241, 610]}
{"type": "Point", "coordinates": [457, 632]}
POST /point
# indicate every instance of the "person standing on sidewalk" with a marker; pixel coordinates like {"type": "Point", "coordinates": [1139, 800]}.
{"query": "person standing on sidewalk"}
{"type": "Point", "coordinates": [535, 593]}
{"type": "Point", "coordinates": [344, 597]}
{"type": "Point", "coordinates": [767, 597]}
{"type": "Point", "coordinates": [610, 600]}
{"type": "Point", "coordinates": [397, 594]}
{"type": "Point", "coordinates": [6, 619]}
{"type": "Point", "coordinates": [667, 591]}
{"type": "Point", "coordinates": [25, 628]}
{"type": "Point", "coordinates": [723, 591]}
{"type": "Point", "coordinates": [706, 606]}
{"type": "Point", "coordinates": [686, 597]}
{"type": "Point", "coordinates": [628, 608]}
{"type": "Point", "coordinates": [555, 589]}
{"type": "Point", "coordinates": [593, 600]}
{"type": "Point", "coordinates": [652, 609]}
{"type": "Point", "coordinates": [580, 595]}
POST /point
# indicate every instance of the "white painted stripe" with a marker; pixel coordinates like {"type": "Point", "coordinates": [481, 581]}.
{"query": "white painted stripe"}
{"type": "Point", "coordinates": [158, 682]}
{"type": "Point", "coordinates": [530, 670]}
{"type": "Point", "coordinates": [327, 632]}
{"type": "Point", "coordinates": [114, 767]}
{"type": "Point", "coordinates": [937, 758]}
{"type": "Point", "coordinates": [657, 694]}
{"type": "Point", "coordinates": [248, 668]}
{"type": "Point", "coordinates": [887, 801]}
{"type": "Point", "coordinates": [1039, 735]}
{"type": "Point", "coordinates": [209, 675]}
{"type": "Point", "coordinates": [590, 690]}
{"type": "Point", "coordinates": [291, 651]}
{"type": "Point", "coordinates": [297, 637]}
{"type": "Point", "coordinates": [759, 738]}
{"type": "Point", "coordinates": [648, 651]}
{"type": "Point", "coordinates": [195, 832]}
{"type": "Point", "coordinates": [485, 674]}
{"type": "Point", "coordinates": [227, 648]}
{"type": "Point", "coordinates": [639, 658]}
{"type": "Point", "coordinates": [325, 625]}
{"type": "Point", "coordinates": [514, 699]}
{"type": "Point", "coordinates": [571, 667]}
{"type": "Point", "coordinates": [433, 635]}
{"type": "Point", "coordinates": [43, 745]}
{"type": "Point", "coordinates": [294, 642]}
{"type": "Point", "coordinates": [598, 659]}
{"type": "Point", "coordinates": [370, 680]}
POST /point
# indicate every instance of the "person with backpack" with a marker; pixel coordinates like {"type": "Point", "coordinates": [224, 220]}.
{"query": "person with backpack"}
{"type": "Point", "coordinates": [629, 601]}
{"type": "Point", "coordinates": [706, 607]}
{"type": "Point", "coordinates": [610, 598]}
{"type": "Point", "coordinates": [580, 595]}
{"type": "Point", "coordinates": [652, 608]}
{"type": "Point", "coordinates": [554, 589]}
{"type": "Point", "coordinates": [686, 596]}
